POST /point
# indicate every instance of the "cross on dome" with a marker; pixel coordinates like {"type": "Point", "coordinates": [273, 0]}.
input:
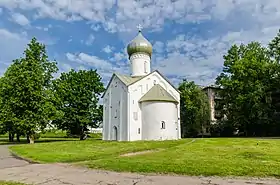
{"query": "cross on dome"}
{"type": "Point", "coordinates": [139, 27]}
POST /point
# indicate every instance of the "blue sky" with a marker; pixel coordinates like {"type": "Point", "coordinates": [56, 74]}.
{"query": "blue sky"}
{"type": "Point", "coordinates": [189, 37]}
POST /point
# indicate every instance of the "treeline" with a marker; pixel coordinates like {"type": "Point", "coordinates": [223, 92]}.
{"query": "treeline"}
{"type": "Point", "coordinates": [31, 99]}
{"type": "Point", "coordinates": [250, 96]}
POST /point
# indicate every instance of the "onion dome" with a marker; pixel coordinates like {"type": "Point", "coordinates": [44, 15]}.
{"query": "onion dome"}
{"type": "Point", "coordinates": [139, 45]}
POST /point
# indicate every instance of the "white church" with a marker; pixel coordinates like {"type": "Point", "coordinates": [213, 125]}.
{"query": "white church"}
{"type": "Point", "coordinates": [143, 105]}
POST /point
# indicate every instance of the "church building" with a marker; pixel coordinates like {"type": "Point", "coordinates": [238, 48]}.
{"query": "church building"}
{"type": "Point", "coordinates": [143, 105]}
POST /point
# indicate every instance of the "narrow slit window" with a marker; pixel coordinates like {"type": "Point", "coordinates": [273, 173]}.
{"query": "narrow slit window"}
{"type": "Point", "coordinates": [116, 113]}
{"type": "Point", "coordinates": [163, 125]}
{"type": "Point", "coordinates": [135, 116]}
{"type": "Point", "coordinates": [138, 130]}
{"type": "Point", "coordinates": [145, 67]}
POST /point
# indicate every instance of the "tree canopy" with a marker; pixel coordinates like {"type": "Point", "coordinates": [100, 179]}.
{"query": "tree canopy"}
{"type": "Point", "coordinates": [250, 75]}
{"type": "Point", "coordinates": [78, 96]}
{"type": "Point", "coordinates": [194, 108]}
{"type": "Point", "coordinates": [26, 103]}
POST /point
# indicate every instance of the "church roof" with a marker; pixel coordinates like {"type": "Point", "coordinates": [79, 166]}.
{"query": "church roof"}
{"type": "Point", "coordinates": [158, 93]}
{"type": "Point", "coordinates": [139, 44]}
{"type": "Point", "coordinates": [128, 80]}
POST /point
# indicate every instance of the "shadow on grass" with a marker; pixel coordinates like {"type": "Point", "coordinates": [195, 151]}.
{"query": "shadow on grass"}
{"type": "Point", "coordinates": [42, 140]}
{"type": "Point", "coordinates": [6, 142]}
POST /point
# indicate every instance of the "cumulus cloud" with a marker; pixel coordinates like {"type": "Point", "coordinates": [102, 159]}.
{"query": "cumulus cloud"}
{"type": "Point", "coordinates": [20, 19]}
{"type": "Point", "coordinates": [90, 40]}
{"type": "Point", "coordinates": [10, 41]}
{"type": "Point", "coordinates": [108, 49]}
{"type": "Point", "coordinates": [122, 15]}
{"type": "Point", "coordinates": [92, 61]}
{"type": "Point", "coordinates": [201, 59]}
{"type": "Point", "coordinates": [198, 55]}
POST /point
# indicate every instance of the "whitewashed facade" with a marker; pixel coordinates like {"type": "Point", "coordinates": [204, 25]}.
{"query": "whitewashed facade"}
{"type": "Point", "coordinates": [143, 106]}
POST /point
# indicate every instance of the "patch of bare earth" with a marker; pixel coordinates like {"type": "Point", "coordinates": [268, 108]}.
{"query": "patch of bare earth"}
{"type": "Point", "coordinates": [139, 153]}
{"type": "Point", "coordinates": [148, 151]}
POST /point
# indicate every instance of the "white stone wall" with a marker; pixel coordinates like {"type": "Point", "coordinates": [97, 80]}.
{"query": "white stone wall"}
{"type": "Point", "coordinates": [136, 91]}
{"type": "Point", "coordinates": [115, 111]}
{"type": "Point", "coordinates": [140, 64]}
{"type": "Point", "coordinates": [159, 120]}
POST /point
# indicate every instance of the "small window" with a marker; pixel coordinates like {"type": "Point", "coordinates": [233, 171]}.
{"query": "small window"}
{"type": "Point", "coordinates": [163, 125]}
{"type": "Point", "coordinates": [132, 101]}
{"type": "Point", "coordinates": [141, 89]}
{"type": "Point", "coordinates": [119, 102]}
{"type": "Point", "coordinates": [155, 82]}
{"type": "Point", "coordinates": [116, 113]}
{"type": "Point", "coordinates": [145, 67]}
{"type": "Point", "coordinates": [138, 130]}
{"type": "Point", "coordinates": [135, 116]}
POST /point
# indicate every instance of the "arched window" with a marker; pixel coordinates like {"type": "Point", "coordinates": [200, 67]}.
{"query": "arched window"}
{"type": "Point", "coordinates": [162, 124]}
{"type": "Point", "coordinates": [145, 67]}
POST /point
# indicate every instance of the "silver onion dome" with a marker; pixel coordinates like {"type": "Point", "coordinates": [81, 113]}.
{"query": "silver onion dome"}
{"type": "Point", "coordinates": [139, 45]}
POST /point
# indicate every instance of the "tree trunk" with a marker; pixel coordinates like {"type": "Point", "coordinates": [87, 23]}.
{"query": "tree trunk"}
{"type": "Point", "coordinates": [83, 135]}
{"type": "Point", "coordinates": [27, 138]}
{"type": "Point", "coordinates": [31, 139]}
{"type": "Point", "coordinates": [18, 137]}
{"type": "Point", "coordinates": [11, 137]}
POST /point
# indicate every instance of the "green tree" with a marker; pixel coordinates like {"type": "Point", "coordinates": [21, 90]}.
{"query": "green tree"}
{"type": "Point", "coordinates": [246, 84]}
{"type": "Point", "coordinates": [195, 110]}
{"type": "Point", "coordinates": [78, 95]}
{"type": "Point", "coordinates": [27, 103]}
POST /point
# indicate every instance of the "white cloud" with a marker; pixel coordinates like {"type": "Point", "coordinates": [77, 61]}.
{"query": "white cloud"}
{"type": "Point", "coordinates": [90, 40]}
{"type": "Point", "coordinates": [11, 46]}
{"type": "Point", "coordinates": [108, 49]}
{"type": "Point", "coordinates": [197, 58]}
{"type": "Point", "coordinates": [202, 60]}
{"type": "Point", "coordinates": [95, 27]}
{"type": "Point", "coordinates": [92, 61]}
{"type": "Point", "coordinates": [105, 68]}
{"type": "Point", "coordinates": [124, 15]}
{"type": "Point", "coordinates": [19, 19]}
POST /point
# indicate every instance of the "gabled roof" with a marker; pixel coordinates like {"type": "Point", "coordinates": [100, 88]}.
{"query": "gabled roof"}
{"type": "Point", "coordinates": [128, 80]}
{"type": "Point", "coordinates": [158, 93]}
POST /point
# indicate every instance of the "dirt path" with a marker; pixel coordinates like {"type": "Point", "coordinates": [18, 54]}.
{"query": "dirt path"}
{"type": "Point", "coordinates": [12, 169]}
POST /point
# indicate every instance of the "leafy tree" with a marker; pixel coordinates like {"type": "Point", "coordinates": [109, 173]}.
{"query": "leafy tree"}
{"type": "Point", "coordinates": [246, 84]}
{"type": "Point", "coordinates": [27, 103]}
{"type": "Point", "coordinates": [195, 110]}
{"type": "Point", "coordinates": [77, 93]}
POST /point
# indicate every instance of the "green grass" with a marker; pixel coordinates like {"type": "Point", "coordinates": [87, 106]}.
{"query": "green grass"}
{"type": "Point", "coordinates": [10, 183]}
{"type": "Point", "coordinates": [214, 156]}
{"type": "Point", "coordinates": [52, 135]}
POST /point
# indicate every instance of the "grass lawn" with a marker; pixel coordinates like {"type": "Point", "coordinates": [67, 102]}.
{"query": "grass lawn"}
{"type": "Point", "coordinates": [214, 156]}
{"type": "Point", "coordinates": [10, 183]}
{"type": "Point", "coordinates": [46, 137]}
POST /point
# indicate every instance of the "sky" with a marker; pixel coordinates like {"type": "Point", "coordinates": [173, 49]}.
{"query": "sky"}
{"type": "Point", "coordinates": [189, 37]}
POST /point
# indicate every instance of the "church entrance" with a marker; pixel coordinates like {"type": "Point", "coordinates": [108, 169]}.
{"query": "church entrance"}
{"type": "Point", "coordinates": [115, 133]}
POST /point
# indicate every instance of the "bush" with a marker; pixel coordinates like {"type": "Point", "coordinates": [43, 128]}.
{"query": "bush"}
{"type": "Point", "coordinates": [37, 136]}
{"type": "Point", "coordinates": [222, 129]}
